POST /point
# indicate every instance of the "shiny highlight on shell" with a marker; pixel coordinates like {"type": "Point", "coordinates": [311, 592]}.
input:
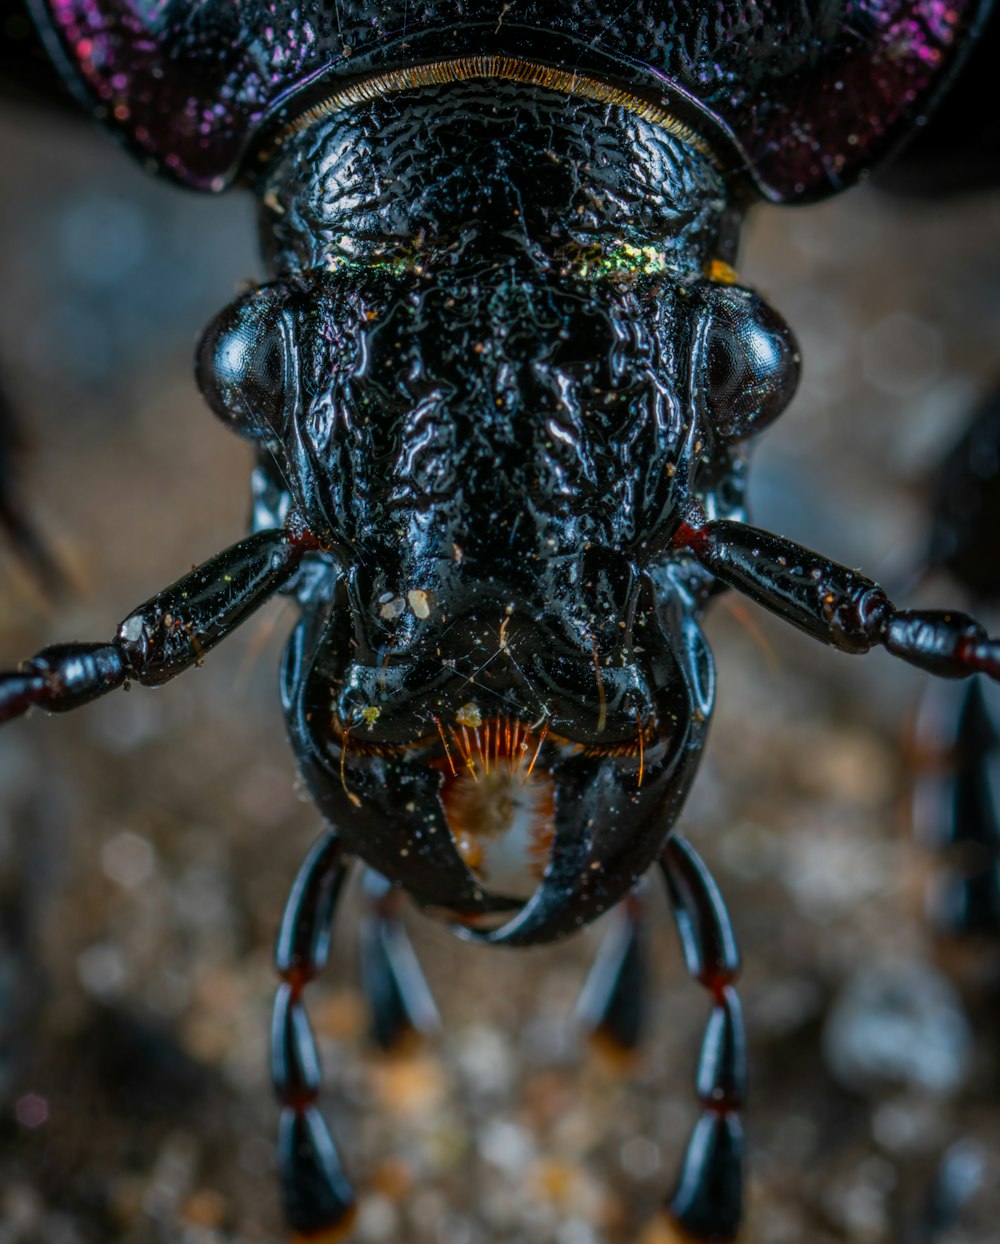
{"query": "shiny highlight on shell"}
{"type": "Point", "coordinates": [502, 68]}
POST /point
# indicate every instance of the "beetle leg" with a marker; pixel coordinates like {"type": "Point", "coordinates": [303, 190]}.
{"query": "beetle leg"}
{"type": "Point", "coordinates": [836, 605]}
{"type": "Point", "coordinates": [401, 1003]}
{"type": "Point", "coordinates": [612, 1004]}
{"type": "Point", "coordinates": [957, 807]}
{"type": "Point", "coordinates": [707, 1203]}
{"type": "Point", "coordinates": [164, 636]}
{"type": "Point", "coordinates": [319, 1201]}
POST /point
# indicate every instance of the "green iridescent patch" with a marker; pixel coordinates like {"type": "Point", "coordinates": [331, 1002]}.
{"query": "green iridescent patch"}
{"type": "Point", "coordinates": [616, 258]}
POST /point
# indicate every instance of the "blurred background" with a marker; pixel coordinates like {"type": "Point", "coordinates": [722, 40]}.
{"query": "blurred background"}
{"type": "Point", "coordinates": [148, 841]}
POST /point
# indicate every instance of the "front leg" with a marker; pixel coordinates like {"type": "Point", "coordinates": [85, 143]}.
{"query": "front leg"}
{"type": "Point", "coordinates": [165, 635]}
{"type": "Point", "coordinates": [836, 605]}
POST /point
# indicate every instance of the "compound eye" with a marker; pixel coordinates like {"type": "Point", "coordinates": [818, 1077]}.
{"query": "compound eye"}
{"type": "Point", "coordinates": [746, 365]}
{"type": "Point", "coordinates": [245, 365]}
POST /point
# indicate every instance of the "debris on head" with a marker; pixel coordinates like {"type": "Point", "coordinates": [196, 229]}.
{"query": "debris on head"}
{"type": "Point", "coordinates": [392, 607]}
{"type": "Point", "coordinates": [469, 715]}
{"type": "Point", "coordinates": [420, 602]}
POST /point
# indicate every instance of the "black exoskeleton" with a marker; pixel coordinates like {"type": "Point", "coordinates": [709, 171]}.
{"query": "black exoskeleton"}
{"type": "Point", "coordinates": [502, 382]}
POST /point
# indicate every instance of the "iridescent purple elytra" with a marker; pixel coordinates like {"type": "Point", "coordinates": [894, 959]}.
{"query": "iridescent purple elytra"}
{"type": "Point", "coordinates": [799, 98]}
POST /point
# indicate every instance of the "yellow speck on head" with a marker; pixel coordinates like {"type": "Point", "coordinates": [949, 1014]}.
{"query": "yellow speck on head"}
{"type": "Point", "coordinates": [370, 716]}
{"type": "Point", "coordinates": [721, 272]}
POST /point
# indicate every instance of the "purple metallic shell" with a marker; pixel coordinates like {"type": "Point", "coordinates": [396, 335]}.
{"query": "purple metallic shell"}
{"type": "Point", "coordinates": [802, 95]}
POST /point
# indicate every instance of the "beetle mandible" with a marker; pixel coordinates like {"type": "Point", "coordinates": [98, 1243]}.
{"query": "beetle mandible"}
{"type": "Point", "coordinates": [502, 391]}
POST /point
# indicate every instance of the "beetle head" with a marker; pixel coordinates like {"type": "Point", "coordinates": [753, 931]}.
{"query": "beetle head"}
{"type": "Point", "coordinates": [425, 413]}
{"type": "Point", "coordinates": [508, 705]}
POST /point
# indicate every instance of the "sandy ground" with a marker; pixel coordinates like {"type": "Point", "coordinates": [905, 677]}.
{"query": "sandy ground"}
{"type": "Point", "coordinates": [147, 842]}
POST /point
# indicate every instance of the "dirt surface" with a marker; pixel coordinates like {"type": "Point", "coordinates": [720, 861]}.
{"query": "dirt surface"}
{"type": "Point", "coordinates": [148, 841]}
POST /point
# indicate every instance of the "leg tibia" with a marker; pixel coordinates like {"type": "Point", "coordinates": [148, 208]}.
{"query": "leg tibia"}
{"type": "Point", "coordinates": [162, 638]}
{"type": "Point", "coordinates": [836, 605]}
